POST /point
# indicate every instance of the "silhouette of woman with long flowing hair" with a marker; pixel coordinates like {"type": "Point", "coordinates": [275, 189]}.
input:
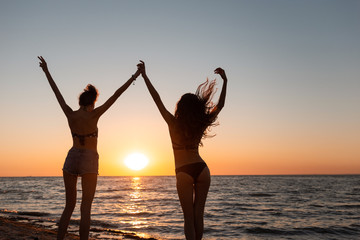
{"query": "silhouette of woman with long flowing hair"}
{"type": "Point", "coordinates": [194, 114]}
{"type": "Point", "coordinates": [82, 158]}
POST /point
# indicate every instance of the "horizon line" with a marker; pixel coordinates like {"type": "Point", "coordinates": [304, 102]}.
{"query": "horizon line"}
{"type": "Point", "coordinates": [307, 174]}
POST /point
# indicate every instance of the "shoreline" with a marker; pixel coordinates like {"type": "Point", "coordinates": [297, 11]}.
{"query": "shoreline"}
{"type": "Point", "coordinates": [12, 229]}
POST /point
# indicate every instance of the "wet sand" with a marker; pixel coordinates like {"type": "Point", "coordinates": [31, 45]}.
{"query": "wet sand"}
{"type": "Point", "coordinates": [13, 230]}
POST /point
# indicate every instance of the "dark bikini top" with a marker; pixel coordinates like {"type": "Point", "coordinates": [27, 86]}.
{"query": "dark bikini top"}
{"type": "Point", "coordinates": [177, 146]}
{"type": "Point", "coordinates": [82, 137]}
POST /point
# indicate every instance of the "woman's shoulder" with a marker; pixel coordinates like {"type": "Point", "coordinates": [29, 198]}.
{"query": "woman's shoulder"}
{"type": "Point", "coordinates": [79, 114]}
{"type": "Point", "coordinates": [82, 118]}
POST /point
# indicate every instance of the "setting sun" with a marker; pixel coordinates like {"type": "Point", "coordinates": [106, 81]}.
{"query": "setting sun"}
{"type": "Point", "coordinates": [136, 161]}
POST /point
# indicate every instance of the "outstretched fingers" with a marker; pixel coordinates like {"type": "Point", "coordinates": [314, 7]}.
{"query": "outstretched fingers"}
{"type": "Point", "coordinates": [41, 58]}
{"type": "Point", "coordinates": [42, 62]}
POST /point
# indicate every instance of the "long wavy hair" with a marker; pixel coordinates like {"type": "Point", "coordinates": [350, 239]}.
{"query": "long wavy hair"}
{"type": "Point", "coordinates": [193, 112]}
{"type": "Point", "coordinates": [88, 96]}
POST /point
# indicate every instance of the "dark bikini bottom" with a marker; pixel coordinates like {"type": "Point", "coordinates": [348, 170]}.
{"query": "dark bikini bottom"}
{"type": "Point", "coordinates": [193, 169]}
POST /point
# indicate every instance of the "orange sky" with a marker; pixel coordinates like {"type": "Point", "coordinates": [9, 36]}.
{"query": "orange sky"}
{"type": "Point", "coordinates": [231, 151]}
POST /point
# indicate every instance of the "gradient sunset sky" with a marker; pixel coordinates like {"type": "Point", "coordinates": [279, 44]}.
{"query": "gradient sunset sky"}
{"type": "Point", "coordinates": [293, 95]}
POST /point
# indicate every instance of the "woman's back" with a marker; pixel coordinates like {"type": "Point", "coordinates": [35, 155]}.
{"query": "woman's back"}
{"type": "Point", "coordinates": [185, 147]}
{"type": "Point", "coordinates": [83, 125]}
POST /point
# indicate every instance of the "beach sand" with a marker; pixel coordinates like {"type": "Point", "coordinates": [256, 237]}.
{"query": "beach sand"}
{"type": "Point", "coordinates": [13, 230]}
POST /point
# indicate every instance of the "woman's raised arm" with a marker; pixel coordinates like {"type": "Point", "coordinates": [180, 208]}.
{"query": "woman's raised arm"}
{"type": "Point", "coordinates": [103, 108]}
{"type": "Point", "coordinates": [221, 102]}
{"type": "Point", "coordinates": [168, 117]}
{"type": "Point", "coordinates": [66, 109]}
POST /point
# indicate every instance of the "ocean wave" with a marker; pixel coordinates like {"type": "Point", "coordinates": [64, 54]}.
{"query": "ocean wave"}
{"type": "Point", "coordinates": [102, 224]}
{"type": "Point", "coordinates": [255, 223]}
{"type": "Point", "coordinates": [260, 230]}
{"type": "Point", "coordinates": [348, 206]}
{"type": "Point", "coordinates": [35, 214]}
{"type": "Point", "coordinates": [126, 234]}
{"type": "Point", "coordinates": [304, 231]}
{"type": "Point", "coordinates": [330, 230]}
{"type": "Point", "coordinates": [261, 195]}
{"type": "Point", "coordinates": [134, 214]}
{"type": "Point", "coordinates": [7, 211]}
{"type": "Point", "coordinates": [109, 197]}
{"type": "Point", "coordinates": [102, 191]}
{"type": "Point", "coordinates": [317, 205]}
{"type": "Point", "coordinates": [24, 213]}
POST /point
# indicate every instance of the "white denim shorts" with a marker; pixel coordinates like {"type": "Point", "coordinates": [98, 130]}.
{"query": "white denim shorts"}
{"type": "Point", "coordinates": [81, 161]}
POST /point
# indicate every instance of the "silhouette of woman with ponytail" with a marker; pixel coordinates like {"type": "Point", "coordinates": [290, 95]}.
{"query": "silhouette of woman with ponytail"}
{"type": "Point", "coordinates": [82, 158]}
{"type": "Point", "coordinates": [193, 117]}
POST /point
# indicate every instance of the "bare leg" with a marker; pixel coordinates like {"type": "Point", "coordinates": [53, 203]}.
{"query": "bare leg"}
{"type": "Point", "coordinates": [201, 190]}
{"type": "Point", "coordinates": [185, 189]}
{"type": "Point", "coordinates": [88, 182]}
{"type": "Point", "coordinates": [70, 193]}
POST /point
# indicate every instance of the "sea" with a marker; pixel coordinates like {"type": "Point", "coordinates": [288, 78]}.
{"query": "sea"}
{"type": "Point", "coordinates": [238, 207]}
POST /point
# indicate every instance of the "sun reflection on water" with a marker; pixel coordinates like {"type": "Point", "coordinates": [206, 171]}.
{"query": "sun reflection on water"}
{"type": "Point", "coordinates": [135, 205]}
